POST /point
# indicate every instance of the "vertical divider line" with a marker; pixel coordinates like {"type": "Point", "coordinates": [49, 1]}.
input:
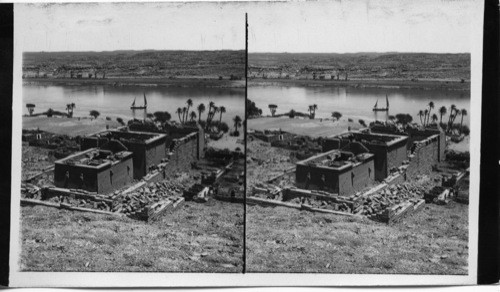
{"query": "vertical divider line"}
{"type": "Point", "coordinates": [245, 158]}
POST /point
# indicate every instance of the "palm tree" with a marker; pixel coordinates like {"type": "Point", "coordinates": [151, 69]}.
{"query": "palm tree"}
{"type": "Point", "coordinates": [222, 110]}
{"type": "Point", "coordinates": [314, 108]}
{"type": "Point", "coordinates": [179, 112]}
{"type": "Point", "coordinates": [189, 103]}
{"type": "Point", "coordinates": [237, 123]}
{"type": "Point", "coordinates": [464, 113]}
{"type": "Point", "coordinates": [426, 112]}
{"type": "Point", "coordinates": [69, 108]}
{"type": "Point", "coordinates": [201, 109]}
{"type": "Point", "coordinates": [431, 106]}
{"type": "Point", "coordinates": [192, 116]}
{"type": "Point", "coordinates": [184, 114]}
{"type": "Point", "coordinates": [420, 115]}
{"type": "Point", "coordinates": [450, 118]}
{"type": "Point", "coordinates": [434, 118]}
{"type": "Point", "coordinates": [453, 115]}
{"type": "Point", "coordinates": [442, 112]}
{"type": "Point", "coordinates": [31, 108]}
{"type": "Point", "coordinates": [272, 108]}
{"type": "Point", "coordinates": [211, 105]}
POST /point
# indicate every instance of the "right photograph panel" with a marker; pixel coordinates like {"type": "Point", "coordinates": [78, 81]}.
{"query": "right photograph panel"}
{"type": "Point", "coordinates": [358, 133]}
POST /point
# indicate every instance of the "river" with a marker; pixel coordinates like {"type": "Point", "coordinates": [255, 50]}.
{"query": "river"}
{"type": "Point", "coordinates": [115, 101]}
{"type": "Point", "coordinates": [357, 103]}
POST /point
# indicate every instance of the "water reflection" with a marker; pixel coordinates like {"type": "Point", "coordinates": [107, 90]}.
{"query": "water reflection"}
{"type": "Point", "coordinates": [115, 101]}
{"type": "Point", "coordinates": [357, 103]}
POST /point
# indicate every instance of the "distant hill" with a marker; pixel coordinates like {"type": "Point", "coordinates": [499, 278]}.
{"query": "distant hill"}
{"type": "Point", "coordinates": [149, 63]}
{"type": "Point", "coordinates": [391, 65]}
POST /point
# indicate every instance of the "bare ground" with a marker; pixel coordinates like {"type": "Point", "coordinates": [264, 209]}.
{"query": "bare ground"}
{"type": "Point", "coordinates": [195, 238]}
{"type": "Point", "coordinates": [432, 241]}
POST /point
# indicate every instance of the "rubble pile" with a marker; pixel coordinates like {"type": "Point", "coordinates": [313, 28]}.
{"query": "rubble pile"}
{"type": "Point", "coordinates": [30, 191]}
{"type": "Point", "coordinates": [135, 202]}
{"type": "Point", "coordinates": [387, 205]}
{"type": "Point", "coordinates": [389, 197]}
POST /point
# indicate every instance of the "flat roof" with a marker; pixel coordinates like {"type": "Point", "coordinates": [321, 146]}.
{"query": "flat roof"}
{"type": "Point", "coordinates": [373, 138]}
{"type": "Point", "coordinates": [132, 136]}
{"type": "Point", "coordinates": [336, 160]}
{"type": "Point", "coordinates": [94, 158]}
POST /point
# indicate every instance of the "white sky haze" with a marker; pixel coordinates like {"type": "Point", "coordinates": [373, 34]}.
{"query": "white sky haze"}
{"type": "Point", "coordinates": [131, 26]}
{"type": "Point", "coordinates": [440, 26]}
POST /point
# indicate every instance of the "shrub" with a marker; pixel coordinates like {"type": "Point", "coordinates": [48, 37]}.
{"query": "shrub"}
{"type": "Point", "coordinates": [94, 114]}
{"type": "Point", "coordinates": [49, 113]}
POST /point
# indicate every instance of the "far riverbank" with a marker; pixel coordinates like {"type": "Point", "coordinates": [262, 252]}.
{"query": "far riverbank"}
{"type": "Point", "coordinates": [145, 82]}
{"type": "Point", "coordinates": [365, 83]}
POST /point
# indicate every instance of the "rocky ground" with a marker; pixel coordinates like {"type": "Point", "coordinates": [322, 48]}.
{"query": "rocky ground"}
{"type": "Point", "coordinates": [35, 160]}
{"type": "Point", "coordinates": [194, 238]}
{"type": "Point", "coordinates": [431, 241]}
{"type": "Point", "coordinates": [264, 162]}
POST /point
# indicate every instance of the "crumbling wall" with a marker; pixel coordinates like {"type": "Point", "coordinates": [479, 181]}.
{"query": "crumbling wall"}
{"type": "Point", "coordinates": [424, 155]}
{"type": "Point", "coordinates": [416, 135]}
{"type": "Point", "coordinates": [115, 177]}
{"type": "Point", "coordinates": [74, 180]}
{"type": "Point", "coordinates": [183, 151]}
{"type": "Point", "coordinates": [358, 178]}
{"type": "Point", "coordinates": [396, 155]}
{"type": "Point", "coordinates": [334, 144]}
{"type": "Point", "coordinates": [330, 182]}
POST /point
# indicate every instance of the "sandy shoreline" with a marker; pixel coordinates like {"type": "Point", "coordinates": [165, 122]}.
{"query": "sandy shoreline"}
{"type": "Point", "coordinates": [145, 82]}
{"type": "Point", "coordinates": [365, 83]}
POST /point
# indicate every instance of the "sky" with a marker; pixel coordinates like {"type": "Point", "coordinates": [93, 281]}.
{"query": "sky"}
{"type": "Point", "coordinates": [130, 26]}
{"type": "Point", "coordinates": [436, 26]}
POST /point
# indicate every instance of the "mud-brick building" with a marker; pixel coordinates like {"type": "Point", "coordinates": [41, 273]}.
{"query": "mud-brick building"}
{"type": "Point", "coordinates": [426, 148]}
{"type": "Point", "coordinates": [94, 170]}
{"type": "Point", "coordinates": [390, 150]}
{"type": "Point", "coordinates": [185, 144]}
{"type": "Point", "coordinates": [148, 148]}
{"type": "Point", "coordinates": [335, 171]}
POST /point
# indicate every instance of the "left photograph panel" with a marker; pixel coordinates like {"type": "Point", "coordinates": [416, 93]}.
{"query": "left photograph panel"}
{"type": "Point", "coordinates": [132, 155]}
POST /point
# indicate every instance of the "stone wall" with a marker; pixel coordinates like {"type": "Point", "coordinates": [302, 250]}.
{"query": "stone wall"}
{"type": "Point", "coordinates": [345, 182]}
{"type": "Point", "coordinates": [94, 179]}
{"type": "Point", "coordinates": [119, 175]}
{"type": "Point", "coordinates": [358, 178]}
{"type": "Point", "coordinates": [183, 152]}
{"type": "Point", "coordinates": [396, 155]}
{"type": "Point", "coordinates": [424, 155]}
{"type": "Point", "coordinates": [89, 182]}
